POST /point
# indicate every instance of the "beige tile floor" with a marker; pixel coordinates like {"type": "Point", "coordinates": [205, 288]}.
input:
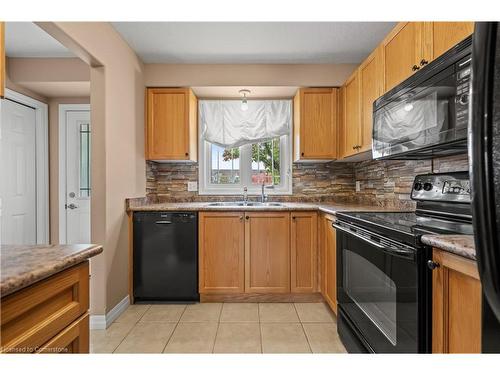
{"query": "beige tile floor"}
{"type": "Point", "coordinates": [221, 328]}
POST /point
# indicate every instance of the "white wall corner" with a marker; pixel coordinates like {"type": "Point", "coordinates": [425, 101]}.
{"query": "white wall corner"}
{"type": "Point", "coordinates": [104, 321]}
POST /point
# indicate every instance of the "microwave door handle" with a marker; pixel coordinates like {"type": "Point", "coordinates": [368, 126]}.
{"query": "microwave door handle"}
{"type": "Point", "coordinates": [389, 250]}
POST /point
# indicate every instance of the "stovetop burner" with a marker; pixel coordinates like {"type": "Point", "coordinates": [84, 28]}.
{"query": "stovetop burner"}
{"type": "Point", "coordinates": [443, 207]}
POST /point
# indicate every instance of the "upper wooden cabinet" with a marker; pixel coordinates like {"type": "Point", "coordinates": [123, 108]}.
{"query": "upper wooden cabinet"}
{"type": "Point", "coordinates": [351, 116]}
{"type": "Point", "coordinates": [441, 36]}
{"type": "Point", "coordinates": [371, 86]}
{"type": "Point", "coordinates": [456, 304]}
{"type": "Point", "coordinates": [304, 244]}
{"type": "Point", "coordinates": [2, 59]}
{"type": "Point", "coordinates": [171, 130]}
{"type": "Point", "coordinates": [222, 252]}
{"type": "Point", "coordinates": [403, 53]}
{"type": "Point", "coordinates": [315, 124]}
{"type": "Point", "coordinates": [267, 252]}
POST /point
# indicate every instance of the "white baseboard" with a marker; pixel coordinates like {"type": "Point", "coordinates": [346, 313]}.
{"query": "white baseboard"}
{"type": "Point", "coordinates": [104, 321]}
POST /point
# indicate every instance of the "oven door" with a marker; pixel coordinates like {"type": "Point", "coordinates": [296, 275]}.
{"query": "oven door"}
{"type": "Point", "coordinates": [377, 290]}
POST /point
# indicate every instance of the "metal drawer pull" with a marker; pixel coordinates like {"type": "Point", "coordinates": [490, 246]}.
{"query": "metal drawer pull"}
{"type": "Point", "coordinates": [163, 222]}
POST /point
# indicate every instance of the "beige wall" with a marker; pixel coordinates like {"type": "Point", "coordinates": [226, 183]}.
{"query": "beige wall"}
{"type": "Point", "coordinates": [118, 166]}
{"type": "Point", "coordinates": [54, 160]}
{"type": "Point", "coordinates": [247, 74]}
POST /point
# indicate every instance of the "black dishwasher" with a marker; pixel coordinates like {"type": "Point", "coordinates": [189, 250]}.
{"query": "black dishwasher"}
{"type": "Point", "coordinates": [165, 257]}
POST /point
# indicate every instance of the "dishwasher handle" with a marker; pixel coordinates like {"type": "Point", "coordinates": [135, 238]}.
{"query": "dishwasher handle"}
{"type": "Point", "coordinates": [163, 222]}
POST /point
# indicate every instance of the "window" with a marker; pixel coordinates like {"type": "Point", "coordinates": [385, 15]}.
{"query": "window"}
{"type": "Point", "coordinates": [227, 171]}
{"type": "Point", "coordinates": [84, 160]}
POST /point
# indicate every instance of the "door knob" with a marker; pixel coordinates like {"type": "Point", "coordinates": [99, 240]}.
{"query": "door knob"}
{"type": "Point", "coordinates": [432, 265]}
{"type": "Point", "coordinates": [71, 206]}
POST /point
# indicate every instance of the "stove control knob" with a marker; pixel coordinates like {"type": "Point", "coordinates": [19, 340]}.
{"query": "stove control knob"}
{"type": "Point", "coordinates": [417, 186]}
{"type": "Point", "coordinates": [427, 186]}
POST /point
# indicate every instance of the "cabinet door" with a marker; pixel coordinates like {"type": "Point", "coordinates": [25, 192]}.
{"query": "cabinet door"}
{"type": "Point", "coordinates": [329, 262]}
{"type": "Point", "coordinates": [316, 124]}
{"type": "Point", "coordinates": [352, 115]}
{"type": "Point", "coordinates": [171, 124]}
{"type": "Point", "coordinates": [371, 81]}
{"type": "Point", "coordinates": [304, 245]}
{"type": "Point", "coordinates": [267, 252]}
{"type": "Point", "coordinates": [73, 339]}
{"type": "Point", "coordinates": [456, 305]}
{"type": "Point", "coordinates": [221, 252]}
{"type": "Point", "coordinates": [441, 36]}
{"type": "Point", "coordinates": [402, 50]}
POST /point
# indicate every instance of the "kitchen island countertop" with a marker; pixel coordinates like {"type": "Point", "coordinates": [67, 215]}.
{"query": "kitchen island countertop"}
{"type": "Point", "coordinates": [24, 265]}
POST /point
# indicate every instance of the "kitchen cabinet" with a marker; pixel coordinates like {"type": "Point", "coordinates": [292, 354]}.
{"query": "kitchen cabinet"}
{"type": "Point", "coordinates": [267, 252]}
{"type": "Point", "coordinates": [351, 116]}
{"type": "Point", "coordinates": [221, 252]}
{"type": "Point", "coordinates": [328, 260]}
{"type": "Point", "coordinates": [50, 315]}
{"type": "Point", "coordinates": [456, 304]}
{"type": "Point", "coordinates": [371, 87]}
{"type": "Point", "coordinates": [2, 59]}
{"type": "Point", "coordinates": [304, 245]}
{"type": "Point", "coordinates": [315, 124]}
{"type": "Point", "coordinates": [171, 128]}
{"type": "Point", "coordinates": [403, 53]}
{"type": "Point", "coordinates": [441, 36]}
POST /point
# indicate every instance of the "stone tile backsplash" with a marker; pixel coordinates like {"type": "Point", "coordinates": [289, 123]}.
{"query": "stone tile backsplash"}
{"type": "Point", "coordinates": [383, 183]}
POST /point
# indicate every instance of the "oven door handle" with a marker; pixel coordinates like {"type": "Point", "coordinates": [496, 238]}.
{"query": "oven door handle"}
{"type": "Point", "coordinates": [390, 250]}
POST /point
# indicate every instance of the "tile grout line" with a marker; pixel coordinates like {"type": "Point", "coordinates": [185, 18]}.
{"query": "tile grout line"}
{"type": "Point", "coordinates": [173, 331]}
{"type": "Point", "coordinates": [303, 330]}
{"type": "Point", "coordinates": [218, 326]}
{"type": "Point", "coordinates": [131, 328]}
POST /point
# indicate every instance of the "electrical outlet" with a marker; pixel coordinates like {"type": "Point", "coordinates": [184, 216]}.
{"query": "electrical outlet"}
{"type": "Point", "coordinates": [358, 185]}
{"type": "Point", "coordinates": [192, 186]}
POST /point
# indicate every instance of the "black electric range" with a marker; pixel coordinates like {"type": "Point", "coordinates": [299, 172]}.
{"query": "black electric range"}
{"type": "Point", "coordinates": [383, 283]}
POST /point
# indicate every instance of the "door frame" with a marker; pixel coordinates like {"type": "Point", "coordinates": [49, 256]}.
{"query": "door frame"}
{"type": "Point", "coordinates": [63, 110]}
{"type": "Point", "coordinates": [41, 163]}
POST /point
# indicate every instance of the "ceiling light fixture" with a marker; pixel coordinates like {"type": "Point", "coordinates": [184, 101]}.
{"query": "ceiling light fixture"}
{"type": "Point", "coordinates": [244, 100]}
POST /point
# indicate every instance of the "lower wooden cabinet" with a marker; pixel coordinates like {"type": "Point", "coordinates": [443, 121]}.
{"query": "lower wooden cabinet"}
{"type": "Point", "coordinates": [456, 304]}
{"type": "Point", "coordinates": [267, 252]}
{"type": "Point", "coordinates": [328, 260]}
{"type": "Point", "coordinates": [221, 252]}
{"type": "Point", "coordinates": [304, 245]}
{"type": "Point", "coordinates": [50, 314]}
{"type": "Point", "coordinates": [258, 253]}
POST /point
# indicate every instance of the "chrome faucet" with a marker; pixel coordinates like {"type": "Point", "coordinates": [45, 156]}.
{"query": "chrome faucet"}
{"type": "Point", "coordinates": [263, 196]}
{"type": "Point", "coordinates": [245, 195]}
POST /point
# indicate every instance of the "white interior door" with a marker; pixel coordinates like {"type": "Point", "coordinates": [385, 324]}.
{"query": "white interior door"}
{"type": "Point", "coordinates": [77, 202]}
{"type": "Point", "coordinates": [18, 174]}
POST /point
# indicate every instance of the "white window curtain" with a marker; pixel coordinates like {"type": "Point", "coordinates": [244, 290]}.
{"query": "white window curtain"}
{"type": "Point", "coordinates": [225, 124]}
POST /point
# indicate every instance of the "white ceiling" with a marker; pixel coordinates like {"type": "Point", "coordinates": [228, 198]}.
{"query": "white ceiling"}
{"type": "Point", "coordinates": [253, 42]}
{"type": "Point", "coordinates": [256, 92]}
{"type": "Point", "coordinates": [25, 39]}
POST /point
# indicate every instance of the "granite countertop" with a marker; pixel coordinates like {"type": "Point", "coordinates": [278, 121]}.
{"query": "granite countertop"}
{"type": "Point", "coordinates": [24, 265]}
{"type": "Point", "coordinates": [462, 245]}
{"type": "Point", "coordinates": [328, 207]}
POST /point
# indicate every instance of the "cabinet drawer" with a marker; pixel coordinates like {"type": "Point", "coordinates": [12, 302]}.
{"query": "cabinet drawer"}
{"type": "Point", "coordinates": [34, 315]}
{"type": "Point", "coordinates": [72, 339]}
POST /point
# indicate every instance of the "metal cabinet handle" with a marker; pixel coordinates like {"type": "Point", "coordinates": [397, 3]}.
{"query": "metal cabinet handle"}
{"type": "Point", "coordinates": [432, 265]}
{"type": "Point", "coordinates": [247, 217]}
{"type": "Point", "coordinates": [415, 68]}
{"type": "Point", "coordinates": [423, 62]}
{"type": "Point", "coordinates": [241, 218]}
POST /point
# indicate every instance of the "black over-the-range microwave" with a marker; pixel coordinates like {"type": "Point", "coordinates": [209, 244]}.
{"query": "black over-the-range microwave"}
{"type": "Point", "coordinates": [426, 116]}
